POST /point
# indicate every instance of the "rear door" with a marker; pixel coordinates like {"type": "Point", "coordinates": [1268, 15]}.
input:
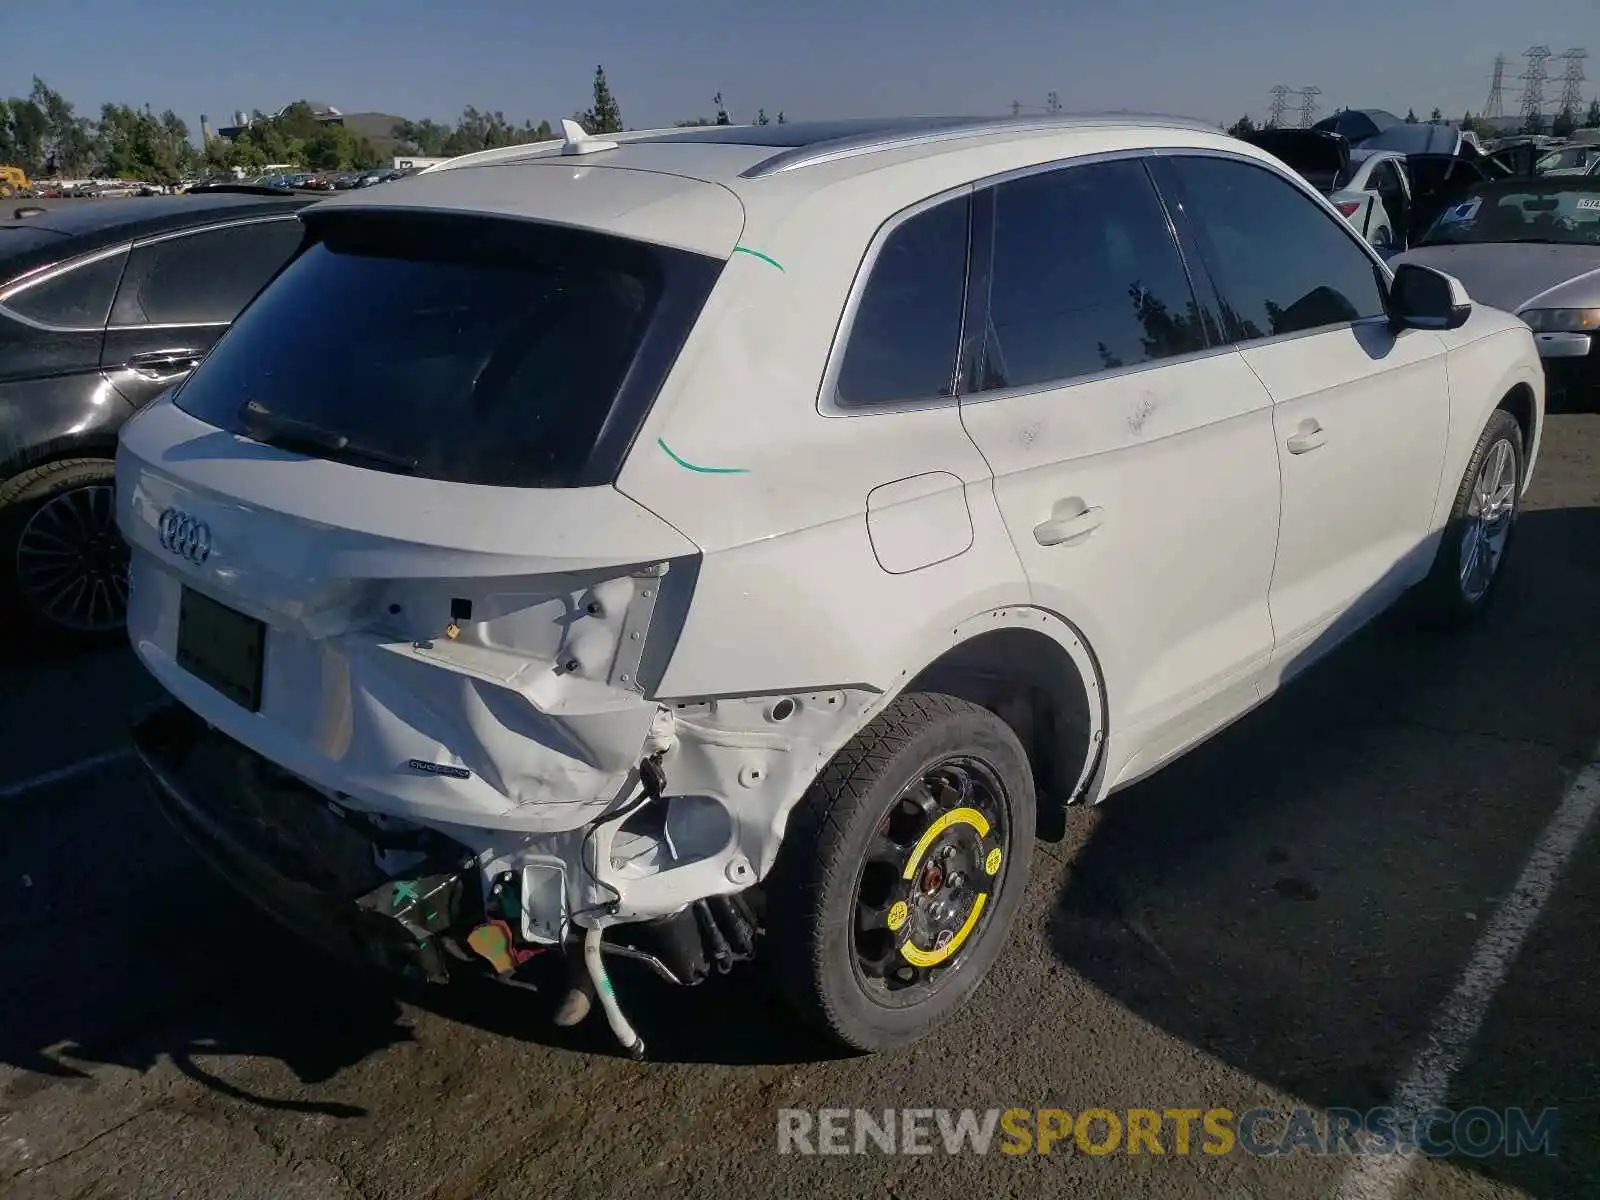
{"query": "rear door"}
{"type": "Point", "coordinates": [51, 329]}
{"type": "Point", "coordinates": [179, 294]}
{"type": "Point", "coordinates": [1133, 458]}
{"type": "Point", "coordinates": [1360, 414]}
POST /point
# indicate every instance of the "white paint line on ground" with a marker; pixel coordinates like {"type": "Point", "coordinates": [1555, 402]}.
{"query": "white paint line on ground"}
{"type": "Point", "coordinates": [61, 774]}
{"type": "Point", "coordinates": [1456, 1024]}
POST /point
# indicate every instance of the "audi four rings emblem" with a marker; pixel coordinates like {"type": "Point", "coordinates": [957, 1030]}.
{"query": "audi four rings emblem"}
{"type": "Point", "coordinates": [187, 537]}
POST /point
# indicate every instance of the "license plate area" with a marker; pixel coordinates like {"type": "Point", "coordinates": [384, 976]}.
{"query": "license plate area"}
{"type": "Point", "coordinates": [221, 647]}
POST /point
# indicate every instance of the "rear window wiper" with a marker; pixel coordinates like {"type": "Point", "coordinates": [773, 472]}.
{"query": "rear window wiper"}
{"type": "Point", "coordinates": [291, 433]}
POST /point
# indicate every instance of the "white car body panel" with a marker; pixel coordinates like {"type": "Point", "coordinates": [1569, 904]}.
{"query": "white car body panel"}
{"type": "Point", "coordinates": [1359, 503]}
{"type": "Point", "coordinates": [831, 558]}
{"type": "Point", "coordinates": [1118, 445]}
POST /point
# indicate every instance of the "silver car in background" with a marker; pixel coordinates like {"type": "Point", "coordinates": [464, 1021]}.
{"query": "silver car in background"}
{"type": "Point", "coordinates": [1532, 247]}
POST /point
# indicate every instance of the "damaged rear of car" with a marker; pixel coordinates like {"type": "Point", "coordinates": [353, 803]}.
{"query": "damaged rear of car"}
{"type": "Point", "coordinates": [410, 623]}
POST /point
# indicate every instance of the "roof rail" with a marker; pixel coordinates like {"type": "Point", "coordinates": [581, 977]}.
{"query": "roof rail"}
{"type": "Point", "coordinates": [954, 128]}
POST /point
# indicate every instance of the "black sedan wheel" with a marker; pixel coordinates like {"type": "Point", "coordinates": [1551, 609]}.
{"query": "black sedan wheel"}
{"type": "Point", "coordinates": [64, 564]}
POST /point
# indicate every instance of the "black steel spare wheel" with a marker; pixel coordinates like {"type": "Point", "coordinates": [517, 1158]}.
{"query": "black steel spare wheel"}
{"type": "Point", "coordinates": [901, 870]}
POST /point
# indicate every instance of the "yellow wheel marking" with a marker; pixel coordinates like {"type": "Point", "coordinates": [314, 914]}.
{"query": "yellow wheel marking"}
{"type": "Point", "coordinates": [991, 864]}
{"type": "Point", "coordinates": [956, 816]}
{"type": "Point", "coordinates": [919, 957]}
{"type": "Point", "coordinates": [898, 915]}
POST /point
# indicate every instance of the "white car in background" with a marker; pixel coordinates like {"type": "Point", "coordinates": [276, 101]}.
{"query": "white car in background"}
{"type": "Point", "coordinates": [630, 545]}
{"type": "Point", "coordinates": [1370, 188]}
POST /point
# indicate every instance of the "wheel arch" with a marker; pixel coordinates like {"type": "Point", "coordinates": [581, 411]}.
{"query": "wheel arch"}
{"type": "Point", "coordinates": [1521, 403]}
{"type": "Point", "coordinates": [1037, 672]}
{"type": "Point", "coordinates": [92, 444]}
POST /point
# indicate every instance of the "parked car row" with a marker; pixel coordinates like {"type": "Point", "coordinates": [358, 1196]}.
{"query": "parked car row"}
{"type": "Point", "coordinates": [1391, 183]}
{"type": "Point", "coordinates": [328, 181]}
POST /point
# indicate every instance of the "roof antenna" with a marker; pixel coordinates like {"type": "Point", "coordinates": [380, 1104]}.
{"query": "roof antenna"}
{"type": "Point", "coordinates": [579, 141]}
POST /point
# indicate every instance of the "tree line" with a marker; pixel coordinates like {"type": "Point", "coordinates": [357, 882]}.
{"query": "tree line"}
{"type": "Point", "coordinates": [44, 134]}
{"type": "Point", "coordinates": [1563, 124]}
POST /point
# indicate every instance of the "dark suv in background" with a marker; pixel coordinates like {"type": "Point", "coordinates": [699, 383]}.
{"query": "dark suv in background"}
{"type": "Point", "coordinates": [103, 306]}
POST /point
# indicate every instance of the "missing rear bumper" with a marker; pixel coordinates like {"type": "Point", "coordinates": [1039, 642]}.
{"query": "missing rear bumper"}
{"type": "Point", "coordinates": [305, 861]}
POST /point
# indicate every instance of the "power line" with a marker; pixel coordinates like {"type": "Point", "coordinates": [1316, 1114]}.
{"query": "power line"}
{"type": "Point", "coordinates": [1572, 80]}
{"type": "Point", "coordinates": [1496, 107]}
{"type": "Point", "coordinates": [1279, 105]}
{"type": "Point", "coordinates": [1533, 81]}
{"type": "Point", "coordinates": [1308, 105]}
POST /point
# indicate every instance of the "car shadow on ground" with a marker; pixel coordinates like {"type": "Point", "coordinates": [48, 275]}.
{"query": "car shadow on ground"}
{"type": "Point", "coordinates": [119, 947]}
{"type": "Point", "coordinates": [1298, 896]}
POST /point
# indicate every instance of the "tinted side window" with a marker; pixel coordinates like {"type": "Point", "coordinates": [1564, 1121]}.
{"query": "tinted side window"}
{"type": "Point", "coordinates": [205, 277]}
{"type": "Point", "coordinates": [1086, 278]}
{"type": "Point", "coordinates": [75, 299]}
{"type": "Point", "coordinates": [1281, 263]}
{"type": "Point", "coordinates": [907, 325]}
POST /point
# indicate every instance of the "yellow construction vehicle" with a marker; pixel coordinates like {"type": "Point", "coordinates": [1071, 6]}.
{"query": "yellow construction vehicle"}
{"type": "Point", "coordinates": [14, 182]}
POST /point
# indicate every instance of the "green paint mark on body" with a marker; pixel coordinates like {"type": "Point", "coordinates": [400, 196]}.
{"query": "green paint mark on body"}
{"type": "Point", "coordinates": [689, 466]}
{"type": "Point", "coordinates": [766, 258]}
{"type": "Point", "coordinates": [403, 891]}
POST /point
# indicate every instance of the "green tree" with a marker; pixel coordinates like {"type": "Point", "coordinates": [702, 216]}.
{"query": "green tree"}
{"type": "Point", "coordinates": [1411, 116]}
{"type": "Point", "coordinates": [1534, 125]}
{"type": "Point", "coordinates": [1591, 119]}
{"type": "Point", "coordinates": [69, 140]}
{"type": "Point", "coordinates": [1565, 122]}
{"type": "Point", "coordinates": [605, 116]}
{"type": "Point", "coordinates": [1242, 126]}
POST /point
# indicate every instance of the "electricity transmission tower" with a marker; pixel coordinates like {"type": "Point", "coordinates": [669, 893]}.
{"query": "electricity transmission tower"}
{"type": "Point", "coordinates": [1308, 105]}
{"type": "Point", "coordinates": [1572, 82]}
{"type": "Point", "coordinates": [1496, 107]}
{"type": "Point", "coordinates": [1279, 105]}
{"type": "Point", "coordinates": [1533, 81]}
{"type": "Point", "coordinates": [1052, 103]}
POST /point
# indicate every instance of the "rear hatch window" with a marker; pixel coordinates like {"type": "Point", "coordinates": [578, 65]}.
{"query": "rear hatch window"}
{"type": "Point", "coordinates": [464, 349]}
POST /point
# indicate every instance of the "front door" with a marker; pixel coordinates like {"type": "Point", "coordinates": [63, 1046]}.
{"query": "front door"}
{"type": "Point", "coordinates": [1133, 460]}
{"type": "Point", "coordinates": [1360, 415]}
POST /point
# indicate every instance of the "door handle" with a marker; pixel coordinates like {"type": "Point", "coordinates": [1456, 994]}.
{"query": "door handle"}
{"type": "Point", "coordinates": [1311, 436]}
{"type": "Point", "coordinates": [1069, 522]}
{"type": "Point", "coordinates": [161, 364]}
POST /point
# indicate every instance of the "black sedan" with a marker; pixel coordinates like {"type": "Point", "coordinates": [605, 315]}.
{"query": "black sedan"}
{"type": "Point", "coordinates": [103, 306]}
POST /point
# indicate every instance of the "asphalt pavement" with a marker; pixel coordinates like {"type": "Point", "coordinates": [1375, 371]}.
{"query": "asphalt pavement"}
{"type": "Point", "coordinates": [1279, 919]}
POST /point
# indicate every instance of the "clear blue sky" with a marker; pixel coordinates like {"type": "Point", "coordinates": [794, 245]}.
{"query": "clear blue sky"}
{"type": "Point", "coordinates": [811, 58]}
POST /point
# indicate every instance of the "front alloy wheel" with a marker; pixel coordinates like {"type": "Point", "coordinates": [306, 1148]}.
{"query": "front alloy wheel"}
{"type": "Point", "coordinates": [1489, 514]}
{"type": "Point", "coordinates": [901, 870]}
{"type": "Point", "coordinates": [1477, 540]}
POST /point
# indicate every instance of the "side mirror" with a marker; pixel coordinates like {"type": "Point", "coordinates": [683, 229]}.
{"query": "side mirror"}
{"type": "Point", "coordinates": [1422, 298]}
